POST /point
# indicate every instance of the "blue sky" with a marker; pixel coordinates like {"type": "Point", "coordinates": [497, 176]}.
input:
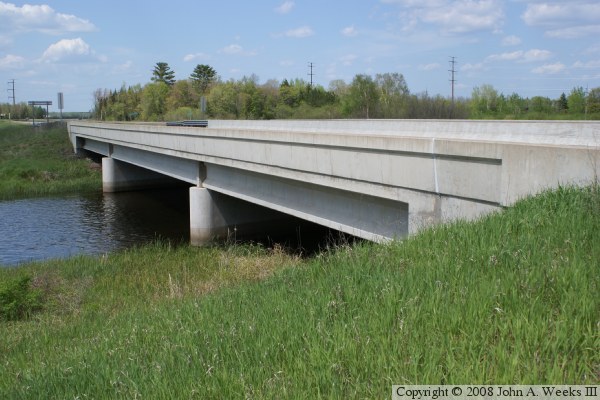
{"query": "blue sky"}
{"type": "Point", "coordinates": [75, 47]}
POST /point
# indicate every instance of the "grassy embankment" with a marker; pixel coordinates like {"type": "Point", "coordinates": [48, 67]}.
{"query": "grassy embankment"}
{"type": "Point", "coordinates": [40, 161]}
{"type": "Point", "coordinates": [512, 298]}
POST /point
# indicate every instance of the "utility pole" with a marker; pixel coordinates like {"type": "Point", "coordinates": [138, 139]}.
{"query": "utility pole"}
{"type": "Point", "coordinates": [586, 102]}
{"type": "Point", "coordinates": [11, 90]}
{"type": "Point", "coordinates": [452, 71]}
{"type": "Point", "coordinates": [310, 65]}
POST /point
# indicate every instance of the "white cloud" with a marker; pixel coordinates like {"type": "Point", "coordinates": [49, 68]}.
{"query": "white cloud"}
{"type": "Point", "coordinates": [11, 61]}
{"type": "Point", "coordinates": [592, 64]}
{"type": "Point", "coordinates": [512, 56]}
{"type": "Point", "coordinates": [566, 13]}
{"type": "Point", "coordinates": [69, 50]}
{"type": "Point", "coordinates": [472, 67]}
{"type": "Point", "coordinates": [232, 49]}
{"type": "Point", "coordinates": [536, 55]}
{"type": "Point", "coordinates": [430, 67]}
{"type": "Point", "coordinates": [286, 63]}
{"type": "Point", "coordinates": [452, 16]}
{"type": "Point", "coordinates": [195, 56]}
{"type": "Point", "coordinates": [42, 83]}
{"type": "Point", "coordinates": [285, 7]}
{"type": "Point", "coordinates": [543, 14]}
{"type": "Point", "coordinates": [467, 16]}
{"type": "Point", "coordinates": [236, 49]}
{"type": "Point", "coordinates": [302, 32]}
{"type": "Point", "coordinates": [511, 40]}
{"type": "Point", "coordinates": [349, 31]}
{"type": "Point", "coordinates": [566, 20]}
{"type": "Point", "coordinates": [40, 18]}
{"type": "Point", "coordinates": [574, 32]}
{"type": "Point", "coordinates": [549, 68]}
{"type": "Point", "coordinates": [521, 56]}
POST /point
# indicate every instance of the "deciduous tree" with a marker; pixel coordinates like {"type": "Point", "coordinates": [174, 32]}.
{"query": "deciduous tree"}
{"type": "Point", "coordinates": [540, 104]}
{"type": "Point", "coordinates": [182, 95]}
{"type": "Point", "coordinates": [154, 101]}
{"type": "Point", "coordinates": [576, 100]}
{"type": "Point", "coordinates": [392, 92]}
{"type": "Point", "coordinates": [223, 100]}
{"type": "Point", "coordinates": [593, 100]}
{"type": "Point", "coordinates": [484, 99]}
{"type": "Point", "coordinates": [362, 97]}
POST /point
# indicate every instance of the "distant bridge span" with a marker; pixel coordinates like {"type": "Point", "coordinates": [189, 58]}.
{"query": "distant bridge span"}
{"type": "Point", "coordinates": [375, 179]}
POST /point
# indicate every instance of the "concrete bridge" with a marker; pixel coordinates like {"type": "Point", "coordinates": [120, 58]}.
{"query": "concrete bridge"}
{"type": "Point", "coordinates": [375, 179]}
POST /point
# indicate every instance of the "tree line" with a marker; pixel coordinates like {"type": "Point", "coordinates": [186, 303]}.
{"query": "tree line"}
{"type": "Point", "coordinates": [384, 95]}
{"type": "Point", "coordinates": [487, 102]}
{"type": "Point", "coordinates": [21, 111]}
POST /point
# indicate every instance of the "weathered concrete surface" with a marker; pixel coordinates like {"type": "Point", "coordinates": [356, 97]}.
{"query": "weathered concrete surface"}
{"type": "Point", "coordinates": [376, 179]}
{"type": "Point", "coordinates": [119, 176]}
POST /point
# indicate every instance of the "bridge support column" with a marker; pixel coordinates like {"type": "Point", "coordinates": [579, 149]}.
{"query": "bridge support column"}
{"type": "Point", "coordinates": [206, 222]}
{"type": "Point", "coordinates": [119, 176]}
{"type": "Point", "coordinates": [216, 216]}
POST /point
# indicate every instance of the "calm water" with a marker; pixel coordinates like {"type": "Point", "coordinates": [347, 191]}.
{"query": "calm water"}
{"type": "Point", "coordinates": [57, 227]}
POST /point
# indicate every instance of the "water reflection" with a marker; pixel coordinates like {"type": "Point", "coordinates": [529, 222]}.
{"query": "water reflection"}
{"type": "Point", "coordinates": [41, 228]}
{"type": "Point", "coordinates": [97, 223]}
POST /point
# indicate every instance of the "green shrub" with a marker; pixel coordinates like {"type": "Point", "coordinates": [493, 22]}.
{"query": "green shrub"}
{"type": "Point", "coordinates": [18, 300]}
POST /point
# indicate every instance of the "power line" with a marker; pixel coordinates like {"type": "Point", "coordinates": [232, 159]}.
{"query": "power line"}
{"type": "Point", "coordinates": [311, 65]}
{"type": "Point", "coordinates": [586, 96]}
{"type": "Point", "coordinates": [452, 70]}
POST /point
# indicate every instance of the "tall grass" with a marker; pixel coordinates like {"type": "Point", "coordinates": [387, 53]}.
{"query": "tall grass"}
{"type": "Point", "coordinates": [37, 161]}
{"type": "Point", "coordinates": [510, 299]}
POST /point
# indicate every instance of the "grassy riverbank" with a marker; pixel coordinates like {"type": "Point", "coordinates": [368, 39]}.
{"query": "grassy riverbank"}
{"type": "Point", "coordinates": [36, 161]}
{"type": "Point", "coordinates": [510, 299]}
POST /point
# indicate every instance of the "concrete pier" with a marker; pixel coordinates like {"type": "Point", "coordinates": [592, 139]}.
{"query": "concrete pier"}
{"type": "Point", "coordinates": [206, 222]}
{"type": "Point", "coordinates": [215, 216]}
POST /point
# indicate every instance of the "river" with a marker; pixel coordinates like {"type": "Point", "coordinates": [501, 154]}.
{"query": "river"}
{"type": "Point", "coordinates": [93, 223]}
{"type": "Point", "coordinates": [37, 229]}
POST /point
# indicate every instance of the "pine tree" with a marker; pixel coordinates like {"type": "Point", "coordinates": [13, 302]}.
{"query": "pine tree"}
{"type": "Point", "coordinates": [162, 73]}
{"type": "Point", "coordinates": [563, 104]}
{"type": "Point", "coordinates": [202, 77]}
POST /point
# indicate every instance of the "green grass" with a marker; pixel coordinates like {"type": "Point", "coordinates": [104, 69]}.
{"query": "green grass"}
{"type": "Point", "coordinates": [36, 161]}
{"type": "Point", "coordinates": [510, 299]}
